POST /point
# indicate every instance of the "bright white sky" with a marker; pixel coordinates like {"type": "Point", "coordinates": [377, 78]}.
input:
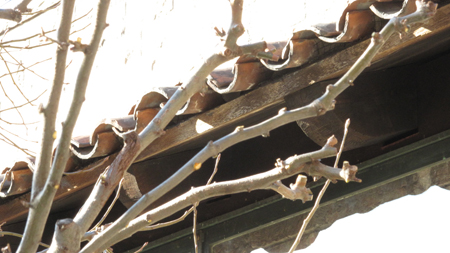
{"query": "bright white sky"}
{"type": "Point", "coordinates": [410, 224]}
{"type": "Point", "coordinates": [413, 224]}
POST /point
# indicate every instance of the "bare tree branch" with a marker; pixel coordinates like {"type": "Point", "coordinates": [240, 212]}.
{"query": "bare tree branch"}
{"type": "Point", "coordinates": [42, 193]}
{"type": "Point", "coordinates": [63, 239]}
{"type": "Point", "coordinates": [27, 68]}
{"type": "Point", "coordinates": [169, 223]}
{"type": "Point", "coordinates": [194, 227]}
{"type": "Point", "coordinates": [21, 65]}
{"type": "Point", "coordinates": [287, 168]}
{"type": "Point", "coordinates": [18, 106]}
{"type": "Point", "coordinates": [19, 124]}
{"type": "Point", "coordinates": [321, 193]}
{"type": "Point", "coordinates": [12, 78]}
{"type": "Point", "coordinates": [12, 102]}
{"type": "Point", "coordinates": [316, 108]}
{"type": "Point", "coordinates": [99, 223]}
{"type": "Point", "coordinates": [15, 135]}
{"type": "Point", "coordinates": [216, 167]}
{"type": "Point", "coordinates": [3, 44]}
{"type": "Point", "coordinates": [10, 14]}
{"type": "Point", "coordinates": [23, 6]}
{"type": "Point", "coordinates": [134, 143]}
{"type": "Point", "coordinates": [10, 142]}
{"type": "Point", "coordinates": [28, 47]}
{"type": "Point", "coordinates": [62, 152]}
{"type": "Point", "coordinates": [31, 18]}
{"type": "Point", "coordinates": [181, 218]}
{"type": "Point", "coordinates": [194, 207]}
{"type": "Point", "coordinates": [141, 248]}
{"type": "Point", "coordinates": [2, 233]}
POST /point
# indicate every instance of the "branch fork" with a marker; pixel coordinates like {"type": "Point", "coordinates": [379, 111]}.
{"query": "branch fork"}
{"type": "Point", "coordinates": [125, 225]}
{"type": "Point", "coordinates": [296, 191]}
{"type": "Point", "coordinates": [78, 46]}
{"type": "Point", "coordinates": [348, 172]}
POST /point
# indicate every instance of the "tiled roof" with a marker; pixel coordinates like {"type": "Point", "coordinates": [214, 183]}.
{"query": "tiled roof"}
{"type": "Point", "coordinates": [307, 44]}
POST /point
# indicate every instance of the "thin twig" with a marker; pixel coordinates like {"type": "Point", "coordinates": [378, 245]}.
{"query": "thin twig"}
{"type": "Point", "coordinates": [292, 165]}
{"type": "Point", "coordinates": [24, 39]}
{"type": "Point", "coordinates": [181, 218]}
{"type": "Point", "coordinates": [12, 78]}
{"type": "Point", "coordinates": [28, 47]}
{"type": "Point", "coordinates": [121, 227]}
{"type": "Point", "coordinates": [75, 20]}
{"type": "Point", "coordinates": [46, 38]}
{"type": "Point", "coordinates": [13, 134]}
{"type": "Point", "coordinates": [169, 223]}
{"type": "Point", "coordinates": [20, 64]}
{"type": "Point", "coordinates": [17, 146]}
{"type": "Point", "coordinates": [194, 228]}
{"type": "Point", "coordinates": [141, 248]}
{"type": "Point", "coordinates": [18, 124]}
{"type": "Point", "coordinates": [215, 169]}
{"type": "Point", "coordinates": [10, 108]}
{"type": "Point", "coordinates": [156, 128]}
{"type": "Point", "coordinates": [21, 70]}
{"type": "Point", "coordinates": [194, 207]}
{"type": "Point", "coordinates": [12, 102]}
{"type": "Point", "coordinates": [31, 18]}
{"type": "Point", "coordinates": [322, 192]}
{"type": "Point", "coordinates": [50, 31]}
{"type": "Point", "coordinates": [20, 236]}
{"type": "Point", "coordinates": [99, 223]}
{"type": "Point", "coordinates": [81, 29]}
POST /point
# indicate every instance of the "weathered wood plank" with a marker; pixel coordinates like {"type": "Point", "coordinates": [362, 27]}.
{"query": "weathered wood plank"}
{"type": "Point", "coordinates": [270, 96]}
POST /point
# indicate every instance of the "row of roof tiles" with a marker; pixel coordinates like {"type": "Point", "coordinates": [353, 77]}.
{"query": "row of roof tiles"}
{"type": "Point", "coordinates": [306, 45]}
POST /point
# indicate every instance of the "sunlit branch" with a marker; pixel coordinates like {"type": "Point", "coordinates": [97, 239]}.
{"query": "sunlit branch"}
{"type": "Point", "coordinates": [321, 193]}
{"type": "Point", "coordinates": [23, 6]}
{"type": "Point", "coordinates": [31, 18]}
{"type": "Point", "coordinates": [47, 32]}
{"type": "Point", "coordinates": [42, 193]}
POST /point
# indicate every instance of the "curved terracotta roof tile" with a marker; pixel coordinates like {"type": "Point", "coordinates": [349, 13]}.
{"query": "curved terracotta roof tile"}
{"type": "Point", "coordinates": [307, 43]}
{"type": "Point", "coordinates": [243, 76]}
{"type": "Point", "coordinates": [122, 124]}
{"type": "Point", "coordinates": [357, 24]}
{"type": "Point", "coordinates": [143, 117]}
{"type": "Point", "coordinates": [157, 97]}
{"type": "Point", "coordinates": [106, 144]}
{"type": "Point", "coordinates": [296, 53]}
{"type": "Point", "coordinates": [103, 141]}
{"type": "Point", "coordinates": [393, 9]}
{"type": "Point", "coordinates": [17, 178]}
{"type": "Point", "coordinates": [357, 20]}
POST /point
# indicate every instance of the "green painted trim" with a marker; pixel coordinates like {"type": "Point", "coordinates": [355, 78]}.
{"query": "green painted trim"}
{"type": "Point", "coordinates": [374, 172]}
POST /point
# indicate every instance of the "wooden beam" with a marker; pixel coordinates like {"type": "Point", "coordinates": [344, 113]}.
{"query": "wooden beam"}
{"type": "Point", "coordinates": [265, 100]}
